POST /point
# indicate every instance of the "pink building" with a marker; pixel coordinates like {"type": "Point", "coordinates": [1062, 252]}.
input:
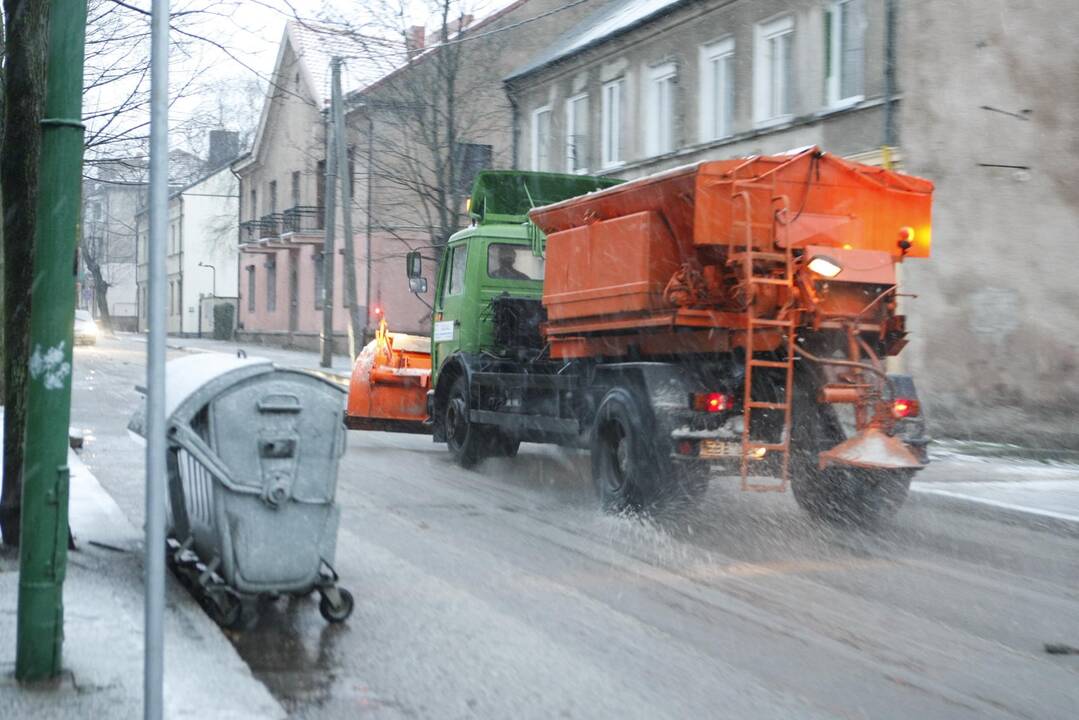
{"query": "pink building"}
{"type": "Point", "coordinates": [282, 201]}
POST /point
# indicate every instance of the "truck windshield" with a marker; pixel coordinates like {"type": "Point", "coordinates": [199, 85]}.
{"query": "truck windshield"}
{"type": "Point", "coordinates": [513, 262]}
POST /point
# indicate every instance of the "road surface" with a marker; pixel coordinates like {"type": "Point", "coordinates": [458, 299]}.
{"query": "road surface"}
{"type": "Point", "coordinates": [504, 593]}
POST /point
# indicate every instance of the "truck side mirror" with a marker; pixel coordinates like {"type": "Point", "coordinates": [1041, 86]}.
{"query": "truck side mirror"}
{"type": "Point", "coordinates": [417, 285]}
{"type": "Point", "coordinates": [413, 265]}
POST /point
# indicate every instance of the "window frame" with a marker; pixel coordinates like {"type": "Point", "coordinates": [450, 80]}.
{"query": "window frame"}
{"type": "Point", "coordinates": [270, 266]}
{"type": "Point", "coordinates": [764, 72]}
{"type": "Point", "coordinates": [517, 248]}
{"type": "Point", "coordinates": [571, 132]}
{"type": "Point", "coordinates": [611, 150]}
{"type": "Point", "coordinates": [452, 291]}
{"type": "Point", "coordinates": [710, 113]}
{"type": "Point", "coordinates": [319, 278]}
{"type": "Point", "coordinates": [535, 136]}
{"type": "Point", "coordinates": [833, 57]}
{"type": "Point", "coordinates": [659, 127]}
{"type": "Point", "coordinates": [251, 287]}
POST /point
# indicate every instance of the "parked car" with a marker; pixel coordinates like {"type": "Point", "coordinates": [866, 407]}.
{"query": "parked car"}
{"type": "Point", "coordinates": [85, 328]}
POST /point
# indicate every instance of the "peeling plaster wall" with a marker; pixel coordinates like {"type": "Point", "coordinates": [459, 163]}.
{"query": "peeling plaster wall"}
{"type": "Point", "coordinates": [990, 101]}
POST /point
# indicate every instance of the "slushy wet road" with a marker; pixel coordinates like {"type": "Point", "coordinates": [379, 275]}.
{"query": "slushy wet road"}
{"type": "Point", "coordinates": [504, 593]}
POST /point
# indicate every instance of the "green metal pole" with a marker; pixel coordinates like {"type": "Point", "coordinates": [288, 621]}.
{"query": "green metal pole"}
{"type": "Point", "coordinates": [43, 542]}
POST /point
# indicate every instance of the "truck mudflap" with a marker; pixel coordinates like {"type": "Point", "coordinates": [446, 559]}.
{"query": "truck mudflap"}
{"type": "Point", "coordinates": [389, 384]}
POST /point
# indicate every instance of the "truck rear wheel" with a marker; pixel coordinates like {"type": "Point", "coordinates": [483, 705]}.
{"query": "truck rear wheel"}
{"type": "Point", "coordinates": [841, 495]}
{"type": "Point", "coordinates": [852, 496]}
{"type": "Point", "coordinates": [464, 438]}
{"type": "Point", "coordinates": [624, 467]}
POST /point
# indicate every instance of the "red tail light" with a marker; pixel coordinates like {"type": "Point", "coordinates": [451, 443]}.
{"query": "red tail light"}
{"type": "Point", "coordinates": [711, 402]}
{"type": "Point", "coordinates": [687, 447]}
{"type": "Point", "coordinates": [905, 407]}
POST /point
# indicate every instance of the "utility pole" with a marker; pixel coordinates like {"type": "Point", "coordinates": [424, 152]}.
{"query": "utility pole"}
{"type": "Point", "coordinates": [891, 138]}
{"type": "Point", "coordinates": [370, 223]}
{"type": "Point", "coordinates": [154, 634]}
{"type": "Point", "coordinates": [326, 338]}
{"type": "Point", "coordinates": [356, 330]}
{"type": "Point", "coordinates": [44, 529]}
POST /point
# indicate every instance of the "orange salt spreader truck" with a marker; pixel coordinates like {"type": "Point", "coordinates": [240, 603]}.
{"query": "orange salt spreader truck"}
{"type": "Point", "coordinates": [727, 317]}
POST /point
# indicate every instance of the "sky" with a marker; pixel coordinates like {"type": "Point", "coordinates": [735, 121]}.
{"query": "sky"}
{"type": "Point", "coordinates": [238, 43]}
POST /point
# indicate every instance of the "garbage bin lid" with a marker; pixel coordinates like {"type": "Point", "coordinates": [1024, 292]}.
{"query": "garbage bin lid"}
{"type": "Point", "coordinates": [194, 380]}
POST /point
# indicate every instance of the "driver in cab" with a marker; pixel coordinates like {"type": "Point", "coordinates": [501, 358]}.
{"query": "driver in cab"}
{"type": "Point", "coordinates": [505, 270]}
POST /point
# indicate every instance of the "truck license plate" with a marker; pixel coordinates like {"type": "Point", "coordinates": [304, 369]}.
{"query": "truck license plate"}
{"type": "Point", "coordinates": [719, 449]}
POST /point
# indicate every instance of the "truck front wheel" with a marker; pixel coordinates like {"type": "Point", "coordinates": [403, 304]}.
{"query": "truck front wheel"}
{"type": "Point", "coordinates": [624, 465]}
{"type": "Point", "coordinates": [463, 437]}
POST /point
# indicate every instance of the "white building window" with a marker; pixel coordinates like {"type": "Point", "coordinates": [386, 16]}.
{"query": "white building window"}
{"type": "Point", "coordinates": [772, 71]}
{"type": "Point", "coordinates": [611, 136]}
{"type": "Point", "coordinates": [541, 139]}
{"type": "Point", "coordinates": [717, 90]}
{"type": "Point", "coordinates": [844, 52]}
{"type": "Point", "coordinates": [577, 134]}
{"type": "Point", "coordinates": [660, 109]}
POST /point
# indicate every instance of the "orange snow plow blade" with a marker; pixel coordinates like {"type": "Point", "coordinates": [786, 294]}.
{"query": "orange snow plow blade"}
{"type": "Point", "coordinates": [390, 379]}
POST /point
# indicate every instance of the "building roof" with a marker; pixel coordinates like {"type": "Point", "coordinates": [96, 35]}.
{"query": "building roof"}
{"type": "Point", "coordinates": [176, 191]}
{"type": "Point", "coordinates": [316, 45]}
{"type": "Point", "coordinates": [472, 28]}
{"type": "Point", "coordinates": [615, 18]}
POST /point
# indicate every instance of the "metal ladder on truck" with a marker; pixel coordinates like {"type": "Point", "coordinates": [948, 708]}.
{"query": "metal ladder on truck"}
{"type": "Point", "coordinates": [754, 448]}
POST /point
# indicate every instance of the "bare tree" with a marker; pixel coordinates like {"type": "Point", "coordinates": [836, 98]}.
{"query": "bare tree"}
{"type": "Point", "coordinates": [26, 35]}
{"type": "Point", "coordinates": [426, 123]}
{"type": "Point", "coordinates": [117, 91]}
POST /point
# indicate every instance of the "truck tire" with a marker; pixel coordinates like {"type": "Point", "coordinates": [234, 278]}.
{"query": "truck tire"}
{"type": "Point", "coordinates": [624, 459]}
{"type": "Point", "coordinates": [840, 495]}
{"type": "Point", "coordinates": [692, 482]}
{"type": "Point", "coordinates": [852, 496]}
{"type": "Point", "coordinates": [465, 440]}
{"type": "Point", "coordinates": [505, 446]}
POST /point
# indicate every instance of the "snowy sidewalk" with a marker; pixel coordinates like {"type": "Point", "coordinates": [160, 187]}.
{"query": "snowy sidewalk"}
{"type": "Point", "coordinates": [302, 359]}
{"type": "Point", "coordinates": [103, 632]}
{"type": "Point", "coordinates": [1040, 494]}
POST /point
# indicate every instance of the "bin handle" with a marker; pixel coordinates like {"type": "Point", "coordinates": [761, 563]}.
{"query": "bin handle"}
{"type": "Point", "coordinates": [190, 441]}
{"type": "Point", "coordinates": [280, 403]}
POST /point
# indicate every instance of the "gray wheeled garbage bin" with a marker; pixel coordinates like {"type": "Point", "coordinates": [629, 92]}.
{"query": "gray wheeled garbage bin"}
{"type": "Point", "coordinates": [252, 471]}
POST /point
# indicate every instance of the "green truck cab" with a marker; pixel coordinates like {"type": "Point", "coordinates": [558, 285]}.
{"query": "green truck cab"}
{"type": "Point", "coordinates": [488, 291]}
{"type": "Point", "coordinates": [500, 255]}
{"type": "Point", "coordinates": [479, 265]}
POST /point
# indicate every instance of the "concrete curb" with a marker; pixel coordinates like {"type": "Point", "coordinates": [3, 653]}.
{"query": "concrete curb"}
{"type": "Point", "coordinates": [1031, 518]}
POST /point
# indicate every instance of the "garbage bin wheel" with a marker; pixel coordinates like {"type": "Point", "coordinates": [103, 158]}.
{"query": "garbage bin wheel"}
{"type": "Point", "coordinates": [227, 611]}
{"type": "Point", "coordinates": [340, 614]}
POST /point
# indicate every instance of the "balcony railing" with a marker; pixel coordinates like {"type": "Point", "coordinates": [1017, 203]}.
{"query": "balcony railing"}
{"type": "Point", "coordinates": [299, 219]}
{"type": "Point", "coordinates": [250, 230]}
{"type": "Point", "coordinates": [270, 225]}
{"type": "Point", "coordinates": [303, 219]}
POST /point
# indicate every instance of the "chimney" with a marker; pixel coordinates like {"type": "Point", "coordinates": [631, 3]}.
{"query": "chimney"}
{"type": "Point", "coordinates": [461, 23]}
{"type": "Point", "coordinates": [224, 147]}
{"type": "Point", "coordinates": [452, 28]}
{"type": "Point", "coordinates": [414, 41]}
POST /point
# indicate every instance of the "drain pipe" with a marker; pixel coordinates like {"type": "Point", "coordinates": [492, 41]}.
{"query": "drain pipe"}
{"type": "Point", "coordinates": [890, 135]}
{"type": "Point", "coordinates": [516, 118]}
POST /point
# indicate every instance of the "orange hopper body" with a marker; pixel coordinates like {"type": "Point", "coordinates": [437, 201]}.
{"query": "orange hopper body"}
{"type": "Point", "coordinates": [648, 263]}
